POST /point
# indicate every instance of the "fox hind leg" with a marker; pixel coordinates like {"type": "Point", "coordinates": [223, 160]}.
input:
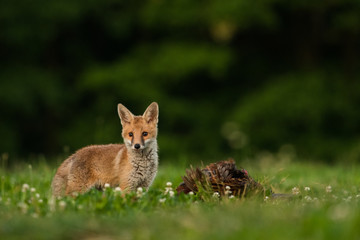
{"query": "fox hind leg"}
{"type": "Point", "coordinates": [58, 185]}
{"type": "Point", "coordinates": [78, 185]}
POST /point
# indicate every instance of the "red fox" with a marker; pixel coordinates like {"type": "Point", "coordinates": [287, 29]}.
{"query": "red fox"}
{"type": "Point", "coordinates": [128, 166]}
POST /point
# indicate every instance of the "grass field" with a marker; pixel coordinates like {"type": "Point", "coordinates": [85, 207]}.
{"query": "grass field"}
{"type": "Point", "coordinates": [327, 206]}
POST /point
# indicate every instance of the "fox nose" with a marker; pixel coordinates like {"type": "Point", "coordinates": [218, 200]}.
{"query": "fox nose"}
{"type": "Point", "coordinates": [137, 146]}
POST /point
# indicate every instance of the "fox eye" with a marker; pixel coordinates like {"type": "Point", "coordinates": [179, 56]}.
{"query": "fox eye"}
{"type": "Point", "coordinates": [145, 134]}
{"type": "Point", "coordinates": [131, 134]}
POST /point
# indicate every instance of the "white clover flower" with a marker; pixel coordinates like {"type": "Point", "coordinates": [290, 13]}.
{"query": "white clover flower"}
{"type": "Point", "coordinates": [162, 200]}
{"type": "Point", "coordinates": [117, 189]}
{"type": "Point", "coordinates": [171, 193]}
{"type": "Point", "coordinates": [62, 205]}
{"type": "Point", "coordinates": [80, 207]}
{"type": "Point", "coordinates": [37, 195]}
{"type": "Point", "coordinates": [32, 189]}
{"type": "Point", "coordinates": [191, 193]}
{"type": "Point", "coordinates": [227, 192]}
{"type": "Point", "coordinates": [23, 206]}
{"type": "Point", "coordinates": [307, 189]}
{"type": "Point", "coordinates": [308, 198]}
{"type": "Point", "coordinates": [51, 203]}
{"type": "Point", "coordinates": [295, 190]}
{"type": "Point", "coordinates": [349, 198]}
{"type": "Point", "coordinates": [357, 196]}
{"type": "Point", "coordinates": [216, 195]}
{"type": "Point", "coordinates": [40, 200]}
{"type": "Point", "coordinates": [328, 189]}
{"type": "Point", "coordinates": [74, 194]}
{"type": "Point", "coordinates": [231, 196]}
{"type": "Point", "coordinates": [266, 198]}
{"type": "Point", "coordinates": [168, 187]}
{"type": "Point", "coordinates": [106, 185]}
{"type": "Point", "coordinates": [139, 192]}
{"type": "Point", "coordinates": [25, 187]}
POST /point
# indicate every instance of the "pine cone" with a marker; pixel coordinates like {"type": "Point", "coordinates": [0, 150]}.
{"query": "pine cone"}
{"type": "Point", "coordinates": [216, 177]}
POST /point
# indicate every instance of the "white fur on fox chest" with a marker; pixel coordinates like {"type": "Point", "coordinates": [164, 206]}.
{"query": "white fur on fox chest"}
{"type": "Point", "coordinates": [145, 164]}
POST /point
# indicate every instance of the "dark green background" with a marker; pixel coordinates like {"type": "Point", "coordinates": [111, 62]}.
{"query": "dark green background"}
{"type": "Point", "coordinates": [232, 78]}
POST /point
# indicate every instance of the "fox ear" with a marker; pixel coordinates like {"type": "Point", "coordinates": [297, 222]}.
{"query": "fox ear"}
{"type": "Point", "coordinates": [151, 113]}
{"type": "Point", "coordinates": [125, 115]}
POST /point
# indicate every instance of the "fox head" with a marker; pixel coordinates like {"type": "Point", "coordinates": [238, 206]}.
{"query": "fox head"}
{"type": "Point", "coordinates": [139, 131]}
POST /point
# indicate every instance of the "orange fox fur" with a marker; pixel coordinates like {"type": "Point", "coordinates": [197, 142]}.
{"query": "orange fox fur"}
{"type": "Point", "coordinates": [129, 165]}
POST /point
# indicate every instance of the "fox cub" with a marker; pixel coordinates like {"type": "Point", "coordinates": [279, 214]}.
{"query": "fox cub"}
{"type": "Point", "coordinates": [130, 165]}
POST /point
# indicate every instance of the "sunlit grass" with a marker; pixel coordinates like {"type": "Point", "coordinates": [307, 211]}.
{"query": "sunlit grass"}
{"type": "Point", "coordinates": [326, 205]}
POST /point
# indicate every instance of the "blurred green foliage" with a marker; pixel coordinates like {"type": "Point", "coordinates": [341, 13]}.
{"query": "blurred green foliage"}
{"type": "Point", "coordinates": [231, 78]}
